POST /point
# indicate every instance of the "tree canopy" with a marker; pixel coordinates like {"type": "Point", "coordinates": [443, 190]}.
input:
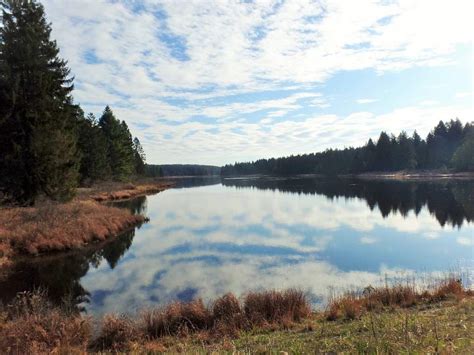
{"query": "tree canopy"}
{"type": "Point", "coordinates": [47, 145]}
{"type": "Point", "coordinates": [448, 145]}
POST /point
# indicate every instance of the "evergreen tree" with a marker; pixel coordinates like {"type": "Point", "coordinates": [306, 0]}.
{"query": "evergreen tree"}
{"type": "Point", "coordinates": [37, 127]}
{"type": "Point", "coordinates": [406, 158]}
{"type": "Point", "coordinates": [383, 153]}
{"type": "Point", "coordinates": [120, 155]}
{"type": "Point", "coordinates": [139, 157]}
{"type": "Point", "coordinates": [463, 158]}
{"type": "Point", "coordinates": [93, 147]}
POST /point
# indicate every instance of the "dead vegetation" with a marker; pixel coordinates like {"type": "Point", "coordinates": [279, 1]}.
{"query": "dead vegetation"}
{"type": "Point", "coordinates": [31, 325]}
{"type": "Point", "coordinates": [112, 191]}
{"type": "Point", "coordinates": [353, 304]}
{"type": "Point", "coordinates": [52, 227]}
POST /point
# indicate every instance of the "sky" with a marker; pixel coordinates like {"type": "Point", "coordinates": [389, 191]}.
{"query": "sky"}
{"type": "Point", "coordinates": [214, 82]}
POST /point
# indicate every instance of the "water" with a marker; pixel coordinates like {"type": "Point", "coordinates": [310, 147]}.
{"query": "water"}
{"type": "Point", "coordinates": [208, 237]}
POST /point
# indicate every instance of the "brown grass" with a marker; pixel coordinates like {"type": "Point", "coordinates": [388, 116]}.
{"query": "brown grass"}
{"type": "Point", "coordinates": [30, 325]}
{"type": "Point", "coordinates": [117, 331]}
{"type": "Point", "coordinates": [352, 305]}
{"type": "Point", "coordinates": [179, 318]}
{"type": "Point", "coordinates": [125, 191]}
{"type": "Point", "coordinates": [276, 307]}
{"type": "Point", "coordinates": [52, 227]}
{"type": "Point", "coordinates": [57, 227]}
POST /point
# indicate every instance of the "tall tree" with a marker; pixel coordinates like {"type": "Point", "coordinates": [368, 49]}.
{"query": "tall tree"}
{"type": "Point", "coordinates": [139, 157]}
{"type": "Point", "coordinates": [120, 153]}
{"type": "Point", "coordinates": [93, 147]}
{"type": "Point", "coordinates": [37, 127]}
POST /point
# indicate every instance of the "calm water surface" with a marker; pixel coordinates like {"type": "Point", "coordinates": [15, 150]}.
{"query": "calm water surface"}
{"type": "Point", "coordinates": [208, 237]}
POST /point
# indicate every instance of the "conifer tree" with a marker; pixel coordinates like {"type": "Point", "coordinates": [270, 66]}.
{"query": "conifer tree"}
{"type": "Point", "coordinates": [37, 127]}
{"type": "Point", "coordinates": [139, 157]}
{"type": "Point", "coordinates": [93, 147]}
{"type": "Point", "coordinates": [120, 153]}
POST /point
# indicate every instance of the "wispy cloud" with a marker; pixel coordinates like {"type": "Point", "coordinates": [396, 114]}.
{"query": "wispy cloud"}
{"type": "Point", "coordinates": [162, 63]}
{"type": "Point", "coordinates": [365, 101]}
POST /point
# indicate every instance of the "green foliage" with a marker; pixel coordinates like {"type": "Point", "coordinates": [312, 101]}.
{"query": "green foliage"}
{"type": "Point", "coordinates": [390, 153]}
{"type": "Point", "coordinates": [463, 158]}
{"type": "Point", "coordinates": [139, 157]}
{"type": "Point", "coordinates": [184, 170]}
{"type": "Point", "coordinates": [120, 148]}
{"type": "Point", "coordinates": [37, 127]}
{"type": "Point", "coordinates": [47, 145]}
{"type": "Point", "coordinates": [93, 147]}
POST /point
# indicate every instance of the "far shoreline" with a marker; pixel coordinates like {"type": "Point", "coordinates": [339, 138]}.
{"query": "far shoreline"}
{"type": "Point", "coordinates": [401, 175]}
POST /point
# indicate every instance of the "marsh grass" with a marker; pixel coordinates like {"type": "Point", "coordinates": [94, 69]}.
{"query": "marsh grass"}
{"type": "Point", "coordinates": [51, 227]}
{"type": "Point", "coordinates": [385, 320]}
{"type": "Point", "coordinates": [352, 305]}
{"type": "Point", "coordinates": [31, 325]}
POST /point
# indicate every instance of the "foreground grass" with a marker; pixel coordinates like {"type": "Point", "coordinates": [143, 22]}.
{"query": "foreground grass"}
{"type": "Point", "coordinates": [445, 327]}
{"type": "Point", "coordinates": [52, 227]}
{"type": "Point", "coordinates": [438, 320]}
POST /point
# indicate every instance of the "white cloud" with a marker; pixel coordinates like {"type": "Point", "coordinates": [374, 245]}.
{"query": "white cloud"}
{"type": "Point", "coordinates": [368, 240]}
{"type": "Point", "coordinates": [120, 55]}
{"type": "Point", "coordinates": [461, 95]}
{"type": "Point", "coordinates": [465, 241]}
{"type": "Point", "coordinates": [365, 101]}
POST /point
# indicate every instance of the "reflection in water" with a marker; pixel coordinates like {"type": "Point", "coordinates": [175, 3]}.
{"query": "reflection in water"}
{"type": "Point", "coordinates": [249, 234]}
{"type": "Point", "coordinates": [136, 205]}
{"type": "Point", "coordinates": [451, 202]}
{"type": "Point", "coordinates": [60, 275]}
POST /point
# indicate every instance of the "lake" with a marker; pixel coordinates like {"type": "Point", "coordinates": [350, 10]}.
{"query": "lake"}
{"type": "Point", "coordinates": [207, 237]}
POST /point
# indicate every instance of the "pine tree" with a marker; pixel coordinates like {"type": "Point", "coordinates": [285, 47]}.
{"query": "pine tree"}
{"type": "Point", "coordinates": [93, 147]}
{"type": "Point", "coordinates": [120, 153]}
{"type": "Point", "coordinates": [37, 127]}
{"type": "Point", "coordinates": [139, 157]}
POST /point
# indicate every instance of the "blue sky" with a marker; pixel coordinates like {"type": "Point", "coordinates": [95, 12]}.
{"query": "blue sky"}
{"type": "Point", "coordinates": [214, 82]}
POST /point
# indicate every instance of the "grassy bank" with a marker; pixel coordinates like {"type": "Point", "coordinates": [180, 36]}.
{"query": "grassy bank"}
{"type": "Point", "coordinates": [437, 320]}
{"type": "Point", "coordinates": [52, 227]}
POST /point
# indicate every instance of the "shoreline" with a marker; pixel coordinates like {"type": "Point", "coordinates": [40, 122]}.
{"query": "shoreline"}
{"type": "Point", "coordinates": [50, 228]}
{"type": "Point", "coordinates": [393, 319]}
{"type": "Point", "coordinates": [376, 175]}
{"type": "Point", "coordinates": [415, 175]}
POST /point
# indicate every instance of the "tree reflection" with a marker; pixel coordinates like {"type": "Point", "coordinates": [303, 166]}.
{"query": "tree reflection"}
{"type": "Point", "coordinates": [60, 274]}
{"type": "Point", "coordinates": [451, 202]}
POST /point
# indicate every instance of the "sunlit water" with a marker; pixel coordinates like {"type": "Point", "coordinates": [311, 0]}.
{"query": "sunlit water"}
{"type": "Point", "coordinates": [320, 235]}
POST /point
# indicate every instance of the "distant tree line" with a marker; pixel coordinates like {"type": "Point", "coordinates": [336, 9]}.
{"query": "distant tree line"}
{"type": "Point", "coordinates": [47, 145]}
{"type": "Point", "coordinates": [450, 145]}
{"type": "Point", "coordinates": [182, 170]}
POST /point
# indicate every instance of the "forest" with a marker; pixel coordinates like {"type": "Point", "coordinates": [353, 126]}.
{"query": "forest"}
{"type": "Point", "coordinates": [182, 170]}
{"type": "Point", "coordinates": [450, 145]}
{"type": "Point", "coordinates": [48, 145]}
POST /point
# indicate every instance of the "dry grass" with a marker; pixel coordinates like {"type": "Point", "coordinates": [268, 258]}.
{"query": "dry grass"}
{"type": "Point", "coordinates": [276, 307]}
{"type": "Point", "coordinates": [56, 227]}
{"type": "Point", "coordinates": [352, 305]}
{"type": "Point", "coordinates": [30, 325]}
{"type": "Point", "coordinates": [52, 227]}
{"type": "Point", "coordinates": [178, 318]}
{"type": "Point", "coordinates": [116, 333]}
{"type": "Point", "coordinates": [112, 192]}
